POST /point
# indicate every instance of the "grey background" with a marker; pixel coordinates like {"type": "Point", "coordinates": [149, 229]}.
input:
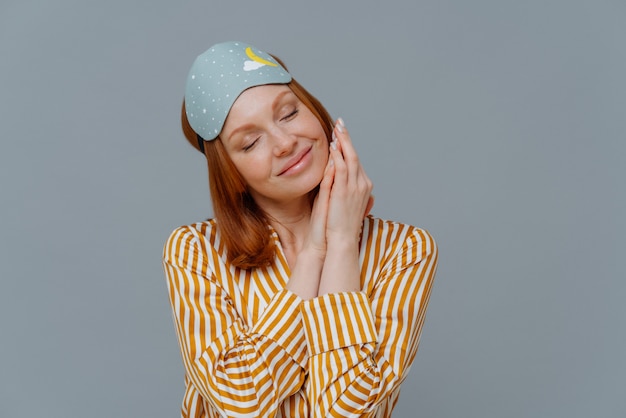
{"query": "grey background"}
{"type": "Point", "coordinates": [497, 125]}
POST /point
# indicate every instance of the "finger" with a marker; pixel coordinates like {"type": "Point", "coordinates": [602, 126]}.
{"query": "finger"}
{"type": "Point", "coordinates": [329, 174]}
{"type": "Point", "coordinates": [345, 140]}
{"type": "Point", "coordinates": [326, 184]}
{"type": "Point", "coordinates": [364, 179]}
{"type": "Point", "coordinates": [370, 205]}
{"type": "Point", "coordinates": [339, 164]}
{"type": "Point", "coordinates": [319, 212]}
{"type": "Point", "coordinates": [348, 152]}
{"type": "Point", "coordinates": [335, 139]}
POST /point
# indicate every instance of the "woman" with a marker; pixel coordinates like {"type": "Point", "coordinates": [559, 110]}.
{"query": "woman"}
{"type": "Point", "coordinates": [293, 301]}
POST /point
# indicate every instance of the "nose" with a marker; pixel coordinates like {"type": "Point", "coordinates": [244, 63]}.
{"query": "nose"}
{"type": "Point", "coordinates": [284, 143]}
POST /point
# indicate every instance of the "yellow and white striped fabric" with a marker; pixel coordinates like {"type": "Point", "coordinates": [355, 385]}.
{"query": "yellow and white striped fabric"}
{"type": "Point", "coordinates": [251, 348]}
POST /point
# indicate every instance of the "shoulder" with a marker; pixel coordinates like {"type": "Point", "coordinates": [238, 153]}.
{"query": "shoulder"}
{"type": "Point", "coordinates": [393, 232]}
{"type": "Point", "coordinates": [398, 242]}
{"type": "Point", "coordinates": [187, 239]}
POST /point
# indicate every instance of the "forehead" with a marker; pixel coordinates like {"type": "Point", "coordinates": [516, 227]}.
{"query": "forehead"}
{"type": "Point", "coordinates": [254, 104]}
{"type": "Point", "coordinates": [258, 96]}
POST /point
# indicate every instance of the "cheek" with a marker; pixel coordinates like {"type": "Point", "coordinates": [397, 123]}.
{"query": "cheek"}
{"type": "Point", "coordinates": [312, 124]}
{"type": "Point", "coordinates": [253, 166]}
{"type": "Point", "coordinates": [321, 160]}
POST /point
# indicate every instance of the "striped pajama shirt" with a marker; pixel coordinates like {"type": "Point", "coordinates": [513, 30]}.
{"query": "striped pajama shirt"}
{"type": "Point", "coordinates": [251, 348]}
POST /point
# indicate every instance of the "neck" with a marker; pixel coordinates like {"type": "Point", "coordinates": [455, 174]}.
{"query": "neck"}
{"type": "Point", "coordinates": [290, 221]}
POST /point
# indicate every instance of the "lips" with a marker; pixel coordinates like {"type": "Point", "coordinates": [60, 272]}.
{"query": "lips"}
{"type": "Point", "coordinates": [294, 160]}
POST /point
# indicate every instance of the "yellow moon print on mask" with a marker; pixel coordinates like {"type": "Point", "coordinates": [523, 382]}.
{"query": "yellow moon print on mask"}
{"type": "Point", "coordinates": [258, 59]}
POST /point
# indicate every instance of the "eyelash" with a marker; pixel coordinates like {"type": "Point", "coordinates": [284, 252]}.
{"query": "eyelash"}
{"type": "Point", "coordinates": [291, 115]}
{"type": "Point", "coordinates": [248, 147]}
{"type": "Point", "coordinates": [288, 117]}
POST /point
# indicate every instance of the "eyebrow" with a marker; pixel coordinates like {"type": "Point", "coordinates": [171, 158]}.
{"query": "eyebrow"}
{"type": "Point", "coordinates": [279, 97]}
{"type": "Point", "coordinates": [275, 104]}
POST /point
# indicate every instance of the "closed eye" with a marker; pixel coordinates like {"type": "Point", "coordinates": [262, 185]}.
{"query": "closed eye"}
{"type": "Point", "coordinates": [291, 115]}
{"type": "Point", "coordinates": [252, 144]}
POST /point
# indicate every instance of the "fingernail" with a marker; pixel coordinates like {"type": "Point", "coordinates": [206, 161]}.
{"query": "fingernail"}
{"type": "Point", "coordinates": [341, 122]}
{"type": "Point", "coordinates": [331, 162]}
{"type": "Point", "coordinates": [334, 137]}
{"type": "Point", "coordinates": [333, 144]}
{"type": "Point", "coordinates": [340, 127]}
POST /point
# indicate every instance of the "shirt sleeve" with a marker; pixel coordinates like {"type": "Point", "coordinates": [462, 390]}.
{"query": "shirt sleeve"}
{"type": "Point", "coordinates": [240, 370]}
{"type": "Point", "coordinates": [361, 345]}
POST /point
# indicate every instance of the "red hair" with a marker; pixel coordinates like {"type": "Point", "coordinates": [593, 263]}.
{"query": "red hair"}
{"type": "Point", "coordinates": [243, 225]}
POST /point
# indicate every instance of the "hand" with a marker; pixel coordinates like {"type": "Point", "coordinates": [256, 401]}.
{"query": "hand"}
{"type": "Point", "coordinates": [350, 195]}
{"type": "Point", "coordinates": [316, 238]}
{"type": "Point", "coordinates": [306, 273]}
{"type": "Point", "coordinates": [350, 200]}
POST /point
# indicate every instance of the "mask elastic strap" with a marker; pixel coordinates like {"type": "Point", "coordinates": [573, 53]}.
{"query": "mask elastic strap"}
{"type": "Point", "coordinates": [200, 143]}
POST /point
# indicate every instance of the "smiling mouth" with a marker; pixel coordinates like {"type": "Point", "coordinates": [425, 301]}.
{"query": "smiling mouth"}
{"type": "Point", "coordinates": [295, 161]}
